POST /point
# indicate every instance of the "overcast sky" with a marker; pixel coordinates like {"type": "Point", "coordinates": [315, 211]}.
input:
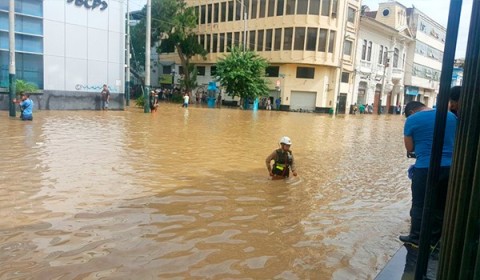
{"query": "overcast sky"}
{"type": "Point", "coordinates": [436, 9]}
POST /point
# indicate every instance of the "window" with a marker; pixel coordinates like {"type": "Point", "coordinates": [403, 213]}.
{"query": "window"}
{"type": "Point", "coordinates": [223, 16]}
{"type": "Point", "coordinates": [230, 10]}
{"type": "Point", "coordinates": [167, 69]}
{"type": "Point", "coordinates": [238, 10]}
{"type": "Point", "coordinates": [364, 49]}
{"type": "Point", "coordinates": [252, 40]}
{"type": "Point", "coordinates": [203, 14]}
{"type": "Point", "coordinates": [311, 38]}
{"type": "Point", "coordinates": [314, 8]}
{"type": "Point", "coordinates": [280, 7]}
{"type": "Point", "coordinates": [222, 42]}
{"type": "Point", "coordinates": [202, 41]}
{"type": "Point", "coordinates": [351, 15]}
{"type": "Point", "coordinates": [345, 77]}
{"type": "Point", "coordinates": [209, 43]}
{"type": "Point", "coordinates": [334, 8]}
{"type": "Point", "coordinates": [253, 12]}
{"type": "Point", "coordinates": [268, 39]}
{"type": "Point", "coordinates": [369, 51]}
{"type": "Point", "coordinates": [290, 7]}
{"type": "Point", "coordinates": [322, 40]}
{"type": "Point", "coordinates": [326, 8]}
{"type": "Point", "coordinates": [385, 57]}
{"type": "Point", "coordinates": [200, 70]}
{"type": "Point", "coordinates": [229, 41]}
{"type": "Point", "coordinates": [29, 67]}
{"type": "Point", "coordinates": [380, 55]}
{"type": "Point", "coordinates": [215, 12]}
{"type": "Point", "coordinates": [209, 13]}
{"type": "Point", "coordinates": [287, 39]}
{"type": "Point", "coordinates": [260, 40]}
{"type": "Point", "coordinates": [197, 13]}
{"type": "Point", "coordinates": [180, 70]}
{"type": "Point", "coordinates": [272, 71]}
{"type": "Point", "coordinates": [396, 53]}
{"type": "Point", "coordinates": [278, 39]}
{"type": "Point", "coordinates": [331, 43]}
{"type": "Point", "coordinates": [29, 7]}
{"type": "Point", "coordinates": [213, 71]}
{"type": "Point", "coordinates": [305, 73]}
{"type": "Point", "coordinates": [299, 38]}
{"type": "Point", "coordinates": [271, 8]}
{"type": "Point", "coordinates": [302, 7]}
{"type": "Point", "coordinates": [236, 38]}
{"type": "Point", "coordinates": [347, 47]}
{"type": "Point", "coordinates": [215, 43]}
{"type": "Point", "coordinates": [262, 11]}
{"type": "Point", "coordinates": [25, 43]}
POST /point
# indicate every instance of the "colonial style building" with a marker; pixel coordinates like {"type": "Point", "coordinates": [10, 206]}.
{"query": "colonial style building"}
{"type": "Point", "coordinates": [68, 49]}
{"type": "Point", "coordinates": [310, 45]}
{"type": "Point", "coordinates": [384, 40]}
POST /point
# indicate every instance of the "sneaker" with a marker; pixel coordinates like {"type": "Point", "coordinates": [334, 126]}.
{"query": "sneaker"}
{"type": "Point", "coordinates": [409, 239]}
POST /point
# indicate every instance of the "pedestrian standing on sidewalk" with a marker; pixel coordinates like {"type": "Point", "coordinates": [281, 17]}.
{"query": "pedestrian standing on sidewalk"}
{"type": "Point", "coordinates": [418, 139]}
{"type": "Point", "coordinates": [283, 161]}
{"type": "Point", "coordinates": [105, 97]}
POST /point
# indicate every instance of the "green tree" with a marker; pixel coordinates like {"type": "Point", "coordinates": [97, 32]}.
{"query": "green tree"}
{"type": "Point", "coordinates": [22, 86]}
{"type": "Point", "coordinates": [243, 74]}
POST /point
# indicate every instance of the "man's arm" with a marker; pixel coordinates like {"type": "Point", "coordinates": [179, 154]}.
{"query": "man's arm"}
{"type": "Point", "coordinates": [409, 146]}
{"type": "Point", "coordinates": [269, 159]}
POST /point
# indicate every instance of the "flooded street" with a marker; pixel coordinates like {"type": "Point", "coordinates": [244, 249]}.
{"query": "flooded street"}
{"type": "Point", "coordinates": [185, 194]}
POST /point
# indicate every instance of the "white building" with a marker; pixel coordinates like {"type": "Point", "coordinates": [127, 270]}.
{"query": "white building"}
{"type": "Point", "coordinates": [69, 49]}
{"type": "Point", "coordinates": [384, 39]}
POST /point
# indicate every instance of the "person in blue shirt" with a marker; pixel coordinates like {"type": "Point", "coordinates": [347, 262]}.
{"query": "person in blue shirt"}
{"type": "Point", "coordinates": [418, 138]}
{"type": "Point", "coordinates": [26, 107]}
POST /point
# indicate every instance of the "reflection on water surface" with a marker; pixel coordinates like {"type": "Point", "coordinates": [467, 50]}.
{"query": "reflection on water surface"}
{"type": "Point", "coordinates": [184, 193]}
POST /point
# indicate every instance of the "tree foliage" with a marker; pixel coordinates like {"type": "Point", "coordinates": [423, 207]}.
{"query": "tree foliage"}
{"type": "Point", "coordinates": [22, 86]}
{"type": "Point", "coordinates": [243, 74]}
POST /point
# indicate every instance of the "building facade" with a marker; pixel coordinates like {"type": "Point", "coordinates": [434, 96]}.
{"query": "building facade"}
{"type": "Point", "coordinates": [68, 49]}
{"type": "Point", "coordinates": [384, 40]}
{"type": "Point", "coordinates": [309, 45]}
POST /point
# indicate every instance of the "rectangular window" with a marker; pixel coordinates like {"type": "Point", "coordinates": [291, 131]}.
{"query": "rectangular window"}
{"type": "Point", "coordinates": [252, 41]}
{"type": "Point", "coordinates": [25, 43]}
{"type": "Point", "coordinates": [213, 71]}
{"type": "Point", "coordinates": [369, 51]}
{"type": "Point", "coordinates": [222, 42]}
{"type": "Point", "coordinates": [29, 67]}
{"type": "Point", "coordinates": [262, 11]}
{"type": "Point", "coordinates": [167, 69]}
{"type": "Point", "coordinates": [203, 14]}
{"type": "Point", "coordinates": [291, 7]}
{"type": "Point", "coordinates": [223, 16]}
{"type": "Point", "coordinates": [312, 39]}
{"type": "Point", "coordinates": [326, 8]}
{"type": "Point", "coordinates": [305, 72]}
{"type": "Point", "coordinates": [347, 47]}
{"type": "Point", "coordinates": [215, 12]}
{"type": "Point", "coordinates": [271, 8]}
{"type": "Point", "coordinates": [231, 8]}
{"type": "Point", "coordinates": [253, 12]}
{"type": "Point", "coordinates": [278, 39]}
{"type": "Point", "coordinates": [29, 7]}
{"type": "Point", "coordinates": [236, 39]}
{"type": "Point", "coordinates": [314, 8]}
{"type": "Point", "coordinates": [215, 43]}
{"type": "Point", "coordinates": [385, 56]}
{"type": "Point", "coordinates": [238, 10]}
{"type": "Point", "coordinates": [334, 8]}
{"type": "Point", "coordinates": [272, 71]}
{"type": "Point", "coordinates": [351, 15]}
{"type": "Point", "coordinates": [299, 38]}
{"type": "Point", "coordinates": [280, 7]}
{"type": "Point", "coordinates": [202, 41]}
{"type": "Point", "coordinates": [380, 55]}
{"type": "Point", "coordinates": [260, 40]}
{"type": "Point", "coordinates": [200, 70]}
{"type": "Point", "coordinates": [209, 13]}
{"type": "Point", "coordinates": [209, 43]}
{"type": "Point", "coordinates": [302, 7]}
{"type": "Point", "coordinates": [345, 77]}
{"type": "Point", "coordinates": [287, 39]}
{"type": "Point", "coordinates": [229, 41]}
{"type": "Point", "coordinates": [268, 40]}
{"type": "Point", "coordinates": [396, 53]}
{"type": "Point", "coordinates": [331, 42]}
{"type": "Point", "coordinates": [364, 50]}
{"type": "Point", "coordinates": [197, 13]}
{"type": "Point", "coordinates": [322, 40]}
{"type": "Point", "coordinates": [180, 70]}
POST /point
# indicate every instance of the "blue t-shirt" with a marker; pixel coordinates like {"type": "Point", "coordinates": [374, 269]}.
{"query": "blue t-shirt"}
{"type": "Point", "coordinates": [420, 127]}
{"type": "Point", "coordinates": [27, 107]}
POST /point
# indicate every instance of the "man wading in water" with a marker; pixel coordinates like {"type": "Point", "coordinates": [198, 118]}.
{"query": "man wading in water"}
{"type": "Point", "coordinates": [283, 161]}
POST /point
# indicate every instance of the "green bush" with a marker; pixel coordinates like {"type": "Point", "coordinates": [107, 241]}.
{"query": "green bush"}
{"type": "Point", "coordinates": [140, 101]}
{"type": "Point", "coordinates": [22, 86]}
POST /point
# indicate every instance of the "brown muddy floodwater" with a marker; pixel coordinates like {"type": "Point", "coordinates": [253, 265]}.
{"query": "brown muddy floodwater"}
{"type": "Point", "coordinates": [184, 194]}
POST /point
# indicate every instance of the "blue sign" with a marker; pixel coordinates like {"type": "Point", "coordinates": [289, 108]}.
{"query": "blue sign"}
{"type": "Point", "coordinates": [411, 91]}
{"type": "Point", "coordinates": [94, 4]}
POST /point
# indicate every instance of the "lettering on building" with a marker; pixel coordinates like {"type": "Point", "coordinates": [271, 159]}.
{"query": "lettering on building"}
{"type": "Point", "coordinates": [90, 4]}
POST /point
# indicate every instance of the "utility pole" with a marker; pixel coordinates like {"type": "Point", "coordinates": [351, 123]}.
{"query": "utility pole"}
{"type": "Point", "coordinates": [127, 68]}
{"type": "Point", "coordinates": [146, 93]}
{"type": "Point", "coordinates": [339, 76]}
{"type": "Point", "coordinates": [385, 65]}
{"type": "Point", "coordinates": [11, 69]}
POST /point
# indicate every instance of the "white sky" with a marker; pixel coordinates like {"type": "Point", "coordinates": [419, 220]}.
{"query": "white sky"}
{"type": "Point", "coordinates": [436, 9]}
